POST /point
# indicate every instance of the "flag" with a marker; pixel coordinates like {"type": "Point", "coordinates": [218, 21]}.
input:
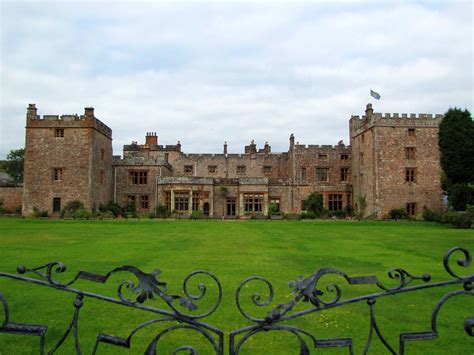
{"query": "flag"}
{"type": "Point", "coordinates": [374, 94]}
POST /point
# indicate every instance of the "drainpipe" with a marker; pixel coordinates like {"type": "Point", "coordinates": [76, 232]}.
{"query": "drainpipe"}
{"type": "Point", "coordinates": [156, 192]}
{"type": "Point", "coordinates": [115, 185]}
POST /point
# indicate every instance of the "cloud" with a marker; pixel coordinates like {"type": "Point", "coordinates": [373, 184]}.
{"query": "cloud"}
{"type": "Point", "coordinates": [203, 73]}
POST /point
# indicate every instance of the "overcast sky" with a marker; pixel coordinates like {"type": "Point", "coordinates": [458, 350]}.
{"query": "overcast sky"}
{"type": "Point", "coordinates": [204, 72]}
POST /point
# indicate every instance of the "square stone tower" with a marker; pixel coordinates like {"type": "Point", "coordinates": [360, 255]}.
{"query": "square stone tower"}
{"type": "Point", "coordinates": [67, 158]}
{"type": "Point", "coordinates": [396, 162]}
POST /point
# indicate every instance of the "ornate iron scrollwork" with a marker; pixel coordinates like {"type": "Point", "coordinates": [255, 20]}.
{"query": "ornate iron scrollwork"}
{"type": "Point", "coordinates": [184, 312]}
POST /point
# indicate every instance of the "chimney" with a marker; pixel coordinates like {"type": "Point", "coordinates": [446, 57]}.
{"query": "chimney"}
{"type": "Point", "coordinates": [178, 146]}
{"type": "Point", "coordinates": [292, 140]}
{"type": "Point", "coordinates": [368, 110]}
{"type": "Point", "coordinates": [151, 139]}
{"type": "Point", "coordinates": [89, 112]}
{"type": "Point", "coordinates": [266, 148]}
{"type": "Point", "coordinates": [225, 148]}
{"type": "Point", "coordinates": [253, 147]}
{"type": "Point", "coordinates": [31, 112]}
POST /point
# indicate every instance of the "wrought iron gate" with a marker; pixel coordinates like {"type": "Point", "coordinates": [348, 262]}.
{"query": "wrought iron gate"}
{"type": "Point", "coordinates": [183, 313]}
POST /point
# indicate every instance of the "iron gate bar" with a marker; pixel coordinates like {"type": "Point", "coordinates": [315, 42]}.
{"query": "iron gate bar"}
{"type": "Point", "coordinates": [305, 290]}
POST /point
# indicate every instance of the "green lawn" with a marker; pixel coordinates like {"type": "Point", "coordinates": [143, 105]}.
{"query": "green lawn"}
{"type": "Point", "coordinates": [279, 251]}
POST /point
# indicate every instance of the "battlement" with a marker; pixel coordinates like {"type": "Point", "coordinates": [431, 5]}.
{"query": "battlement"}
{"type": "Point", "coordinates": [88, 120]}
{"type": "Point", "coordinates": [417, 116]}
{"type": "Point", "coordinates": [324, 147]}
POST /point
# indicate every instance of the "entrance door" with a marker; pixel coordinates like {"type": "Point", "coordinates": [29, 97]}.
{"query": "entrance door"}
{"type": "Point", "coordinates": [56, 204]}
{"type": "Point", "coordinates": [231, 207]}
{"type": "Point", "coordinates": [206, 209]}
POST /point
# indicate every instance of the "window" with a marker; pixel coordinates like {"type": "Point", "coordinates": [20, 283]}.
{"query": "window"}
{"type": "Point", "coordinates": [168, 200]}
{"type": "Point", "coordinates": [335, 202]}
{"type": "Point", "coordinates": [410, 153]}
{"type": "Point", "coordinates": [181, 200]}
{"type": "Point", "coordinates": [267, 170]}
{"type": "Point", "coordinates": [303, 173]}
{"type": "Point", "coordinates": [102, 177]}
{"type": "Point", "coordinates": [322, 174]}
{"type": "Point", "coordinates": [344, 174]}
{"type": "Point", "coordinates": [230, 207]}
{"type": "Point", "coordinates": [362, 138]}
{"type": "Point", "coordinates": [253, 202]}
{"type": "Point", "coordinates": [344, 156]}
{"type": "Point", "coordinates": [102, 154]}
{"type": "Point", "coordinates": [131, 200]}
{"type": "Point", "coordinates": [361, 158]}
{"type": "Point", "coordinates": [411, 208]}
{"type": "Point", "coordinates": [241, 169]}
{"type": "Point", "coordinates": [59, 132]}
{"type": "Point", "coordinates": [188, 168]}
{"type": "Point", "coordinates": [322, 156]}
{"type": "Point", "coordinates": [139, 177]}
{"type": "Point", "coordinates": [410, 174]}
{"type": "Point", "coordinates": [411, 132]}
{"type": "Point", "coordinates": [276, 201]}
{"type": "Point", "coordinates": [212, 169]}
{"type": "Point", "coordinates": [196, 199]}
{"type": "Point", "coordinates": [57, 174]}
{"type": "Point", "coordinates": [144, 202]}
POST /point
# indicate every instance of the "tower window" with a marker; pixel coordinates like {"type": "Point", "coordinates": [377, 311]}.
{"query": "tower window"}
{"type": "Point", "coordinates": [57, 174]}
{"type": "Point", "coordinates": [344, 156]}
{"type": "Point", "coordinates": [212, 169]}
{"type": "Point", "coordinates": [188, 168]}
{"type": "Point", "coordinates": [344, 174]}
{"type": "Point", "coordinates": [410, 174]}
{"type": "Point", "coordinates": [241, 169]}
{"type": "Point", "coordinates": [59, 132]}
{"type": "Point", "coordinates": [411, 132]}
{"type": "Point", "coordinates": [411, 208]}
{"type": "Point", "coordinates": [410, 153]}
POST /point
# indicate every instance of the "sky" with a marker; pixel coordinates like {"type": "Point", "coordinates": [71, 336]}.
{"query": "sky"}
{"type": "Point", "coordinates": [207, 72]}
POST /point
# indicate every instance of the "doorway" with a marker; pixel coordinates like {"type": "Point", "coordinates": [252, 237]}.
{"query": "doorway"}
{"type": "Point", "coordinates": [206, 209]}
{"type": "Point", "coordinates": [56, 204]}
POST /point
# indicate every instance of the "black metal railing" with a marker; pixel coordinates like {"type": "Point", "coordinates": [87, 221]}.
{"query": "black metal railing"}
{"type": "Point", "coordinates": [183, 313]}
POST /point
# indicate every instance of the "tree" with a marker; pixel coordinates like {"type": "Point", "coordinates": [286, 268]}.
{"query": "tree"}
{"type": "Point", "coordinates": [456, 144]}
{"type": "Point", "coordinates": [314, 203]}
{"type": "Point", "coordinates": [13, 166]}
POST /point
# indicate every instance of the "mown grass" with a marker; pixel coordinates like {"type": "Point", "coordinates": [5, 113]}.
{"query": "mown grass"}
{"type": "Point", "coordinates": [279, 251]}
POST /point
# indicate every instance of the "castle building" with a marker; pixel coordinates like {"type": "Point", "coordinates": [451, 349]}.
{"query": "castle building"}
{"type": "Point", "coordinates": [392, 162]}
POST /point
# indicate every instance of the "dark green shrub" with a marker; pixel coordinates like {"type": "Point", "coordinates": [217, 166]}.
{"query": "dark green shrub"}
{"type": "Point", "coordinates": [314, 203]}
{"type": "Point", "coordinates": [340, 214]}
{"type": "Point", "coordinates": [197, 214]}
{"type": "Point", "coordinates": [162, 212]}
{"type": "Point", "coordinates": [273, 210]}
{"type": "Point", "coordinates": [18, 210]}
{"type": "Point", "coordinates": [307, 215]}
{"type": "Point", "coordinates": [130, 210]}
{"type": "Point", "coordinates": [349, 210]}
{"type": "Point", "coordinates": [113, 207]}
{"type": "Point", "coordinates": [398, 213]}
{"type": "Point", "coordinates": [37, 213]}
{"type": "Point", "coordinates": [70, 208]}
{"type": "Point", "coordinates": [431, 216]}
{"type": "Point", "coordinates": [458, 220]}
{"type": "Point", "coordinates": [81, 213]}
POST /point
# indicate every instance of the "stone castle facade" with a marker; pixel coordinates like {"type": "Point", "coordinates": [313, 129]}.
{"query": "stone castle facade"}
{"type": "Point", "coordinates": [392, 162]}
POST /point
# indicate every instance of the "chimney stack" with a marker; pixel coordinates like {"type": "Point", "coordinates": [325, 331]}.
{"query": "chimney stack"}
{"type": "Point", "coordinates": [292, 140]}
{"type": "Point", "coordinates": [151, 139]}
{"type": "Point", "coordinates": [225, 148]}
{"type": "Point", "coordinates": [266, 148]}
{"type": "Point", "coordinates": [89, 112]}
{"type": "Point", "coordinates": [368, 110]}
{"type": "Point", "coordinates": [31, 112]}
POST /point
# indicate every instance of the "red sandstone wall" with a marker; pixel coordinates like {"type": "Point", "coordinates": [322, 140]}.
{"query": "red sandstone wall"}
{"type": "Point", "coordinates": [11, 196]}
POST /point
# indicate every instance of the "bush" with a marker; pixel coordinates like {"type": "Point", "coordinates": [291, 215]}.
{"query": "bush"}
{"type": "Point", "coordinates": [470, 210]}
{"type": "Point", "coordinates": [458, 220]}
{"type": "Point", "coordinates": [2, 210]}
{"type": "Point", "coordinates": [340, 214]}
{"type": "Point", "coordinates": [399, 213]}
{"type": "Point", "coordinates": [81, 213]}
{"type": "Point", "coordinates": [113, 207]}
{"type": "Point", "coordinates": [460, 195]}
{"type": "Point", "coordinates": [18, 210]}
{"type": "Point", "coordinates": [314, 203]}
{"type": "Point", "coordinates": [273, 210]}
{"type": "Point", "coordinates": [197, 214]}
{"type": "Point", "coordinates": [431, 216]}
{"type": "Point", "coordinates": [70, 209]}
{"type": "Point", "coordinates": [307, 215]}
{"type": "Point", "coordinates": [103, 214]}
{"type": "Point", "coordinates": [37, 213]}
{"type": "Point", "coordinates": [162, 212]}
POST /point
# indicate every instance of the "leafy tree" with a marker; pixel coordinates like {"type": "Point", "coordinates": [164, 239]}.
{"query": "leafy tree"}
{"type": "Point", "coordinates": [314, 203]}
{"type": "Point", "coordinates": [13, 166]}
{"type": "Point", "coordinates": [456, 144]}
